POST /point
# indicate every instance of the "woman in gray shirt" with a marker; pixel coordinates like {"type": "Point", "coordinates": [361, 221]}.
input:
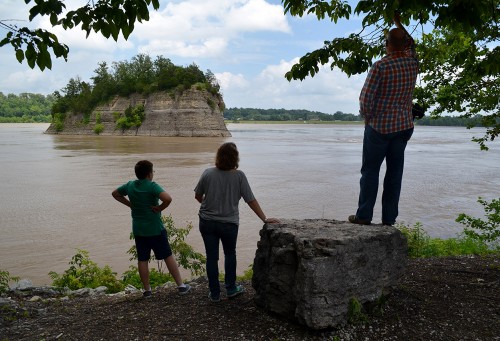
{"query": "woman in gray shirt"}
{"type": "Point", "coordinates": [219, 191]}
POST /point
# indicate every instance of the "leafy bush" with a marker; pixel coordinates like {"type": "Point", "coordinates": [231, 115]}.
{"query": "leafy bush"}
{"type": "Point", "coordinates": [156, 277]}
{"type": "Point", "coordinates": [86, 118]}
{"type": "Point", "coordinates": [247, 274]}
{"type": "Point", "coordinates": [58, 121]}
{"type": "Point", "coordinates": [5, 278]}
{"type": "Point", "coordinates": [211, 104]}
{"type": "Point", "coordinates": [84, 273]}
{"type": "Point", "coordinates": [133, 118]}
{"type": "Point", "coordinates": [487, 231]}
{"type": "Point", "coordinates": [184, 253]}
{"type": "Point", "coordinates": [98, 128]}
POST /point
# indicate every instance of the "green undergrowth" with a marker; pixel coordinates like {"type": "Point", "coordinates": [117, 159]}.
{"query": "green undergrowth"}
{"type": "Point", "coordinates": [479, 237]}
{"type": "Point", "coordinates": [421, 245]}
{"type": "Point", "coordinates": [84, 273]}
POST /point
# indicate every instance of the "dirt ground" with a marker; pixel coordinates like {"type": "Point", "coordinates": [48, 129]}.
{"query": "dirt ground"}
{"type": "Point", "coordinates": [454, 298]}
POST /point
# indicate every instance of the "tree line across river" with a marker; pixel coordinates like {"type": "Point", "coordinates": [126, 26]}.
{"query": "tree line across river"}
{"type": "Point", "coordinates": [36, 108]}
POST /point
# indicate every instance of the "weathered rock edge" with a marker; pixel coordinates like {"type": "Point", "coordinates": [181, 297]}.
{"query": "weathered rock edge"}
{"type": "Point", "coordinates": [194, 113]}
{"type": "Point", "coordinates": [309, 270]}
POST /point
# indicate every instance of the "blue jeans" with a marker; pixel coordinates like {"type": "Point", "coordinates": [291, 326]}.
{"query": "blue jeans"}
{"type": "Point", "coordinates": [212, 232]}
{"type": "Point", "coordinates": [376, 148]}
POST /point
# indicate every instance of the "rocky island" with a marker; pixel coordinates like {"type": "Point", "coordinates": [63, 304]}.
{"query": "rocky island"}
{"type": "Point", "coordinates": [190, 113]}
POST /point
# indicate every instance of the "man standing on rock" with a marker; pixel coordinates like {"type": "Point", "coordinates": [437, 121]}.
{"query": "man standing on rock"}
{"type": "Point", "coordinates": [385, 104]}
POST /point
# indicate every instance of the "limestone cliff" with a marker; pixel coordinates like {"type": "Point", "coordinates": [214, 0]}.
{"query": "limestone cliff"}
{"type": "Point", "coordinates": [192, 113]}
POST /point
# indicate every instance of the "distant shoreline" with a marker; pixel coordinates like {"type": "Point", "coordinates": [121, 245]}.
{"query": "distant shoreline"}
{"type": "Point", "coordinates": [294, 122]}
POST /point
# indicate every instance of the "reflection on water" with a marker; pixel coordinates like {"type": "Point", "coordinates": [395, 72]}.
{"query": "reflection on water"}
{"type": "Point", "coordinates": [56, 190]}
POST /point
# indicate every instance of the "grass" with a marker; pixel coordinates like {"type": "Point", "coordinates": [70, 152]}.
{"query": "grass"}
{"type": "Point", "coordinates": [421, 245]}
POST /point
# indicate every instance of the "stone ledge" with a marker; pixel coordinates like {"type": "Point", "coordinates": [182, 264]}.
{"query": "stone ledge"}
{"type": "Point", "coordinates": [309, 270]}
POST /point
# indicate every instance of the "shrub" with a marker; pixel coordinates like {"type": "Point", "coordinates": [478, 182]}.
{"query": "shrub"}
{"type": "Point", "coordinates": [247, 274]}
{"type": "Point", "coordinates": [5, 278]}
{"type": "Point", "coordinates": [58, 121]}
{"type": "Point", "coordinates": [478, 229]}
{"type": "Point", "coordinates": [211, 104]}
{"type": "Point", "coordinates": [133, 117]}
{"type": "Point", "coordinates": [86, 118]}
{"type": "Point", "coordinates": [116, 115]}
{"type": "Point", "coordinates": [156, 277]}
{"type": "Point", "coordinates": [84, 273]}
{"type": "Point", "coordinates": [98, 128]}
{"type": "Point", "coordinates": [417, 239]}
{"type": "Point", "coordinates": [184, 253]}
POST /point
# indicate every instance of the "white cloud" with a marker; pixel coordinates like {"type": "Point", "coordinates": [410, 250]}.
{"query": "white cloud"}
{"type": "Point", "coordinates": [241, 41]}
{"type": "Point", "coordinates": [228, 80]}
{"type": "Point", "coordinates": [208, 48]}
{"type": "Point", "coordinates": [14, 10]}
{"type": "Point", "coordinates": [328, 91]}
{"type": "Point", "coordinates": [198, 28]}
{"type": "Point", "coordinates": [257, 15]}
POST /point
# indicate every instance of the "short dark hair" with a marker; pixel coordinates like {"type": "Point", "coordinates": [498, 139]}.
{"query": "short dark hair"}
{"type": "Point", "coordinates": [227, 157]}
{"type": "Point", "coordinates": [397, 38]}
{"type": "Point", "coordinates": [143, 169]}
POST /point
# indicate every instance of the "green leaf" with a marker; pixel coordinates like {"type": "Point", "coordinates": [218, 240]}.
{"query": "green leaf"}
{"type": "Point", "coordinates": [126, 30]}
{"type": "Point", "coordinates": [4, 41]}
{"type": "Point", "coordinates": [31, 55]}
{"type": "Point", "coordinates": [53, 19]}
{"type": "Point", "coordinates": [20, 55]}
{"type": "Point", "coordinates": [115, 32]}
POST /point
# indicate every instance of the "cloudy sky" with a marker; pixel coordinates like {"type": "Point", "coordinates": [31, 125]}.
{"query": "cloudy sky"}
{"type": "Point", "coordinates": [248, 44]}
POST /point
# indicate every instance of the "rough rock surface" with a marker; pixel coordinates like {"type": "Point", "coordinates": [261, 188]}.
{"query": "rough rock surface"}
{"type": "Point", "coordinates": [438, 299]}
{"type": "Point", "coordinates": [310, 270]}
{"type": "Point", "coordinates": [192, 113]}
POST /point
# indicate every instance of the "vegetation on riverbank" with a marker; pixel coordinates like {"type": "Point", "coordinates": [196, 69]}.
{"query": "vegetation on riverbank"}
{"type": "Point", "coordinates": [25, 108]}
{"type": "Point", "coordinates": [36, 108]}
{"type": "Point", "coordinates": [480, 237]}
{"type": "Point", "coordinates": [438, 298]}
{"type": "Point", "coordinates": [283, 116]}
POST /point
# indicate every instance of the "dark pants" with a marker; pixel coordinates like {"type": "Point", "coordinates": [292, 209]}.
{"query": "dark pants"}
{"type": "Point", "coordinates": [227, 233]}
{"type": "Point", "coordinates": [376, 148]}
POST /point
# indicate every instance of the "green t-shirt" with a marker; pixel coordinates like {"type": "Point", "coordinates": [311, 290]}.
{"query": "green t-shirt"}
{"type": "Point", "coordinates": [143, 194]}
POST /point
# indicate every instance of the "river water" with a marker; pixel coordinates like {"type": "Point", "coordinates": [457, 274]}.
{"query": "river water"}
{"type": "Point", "coordinates": [56, 190]}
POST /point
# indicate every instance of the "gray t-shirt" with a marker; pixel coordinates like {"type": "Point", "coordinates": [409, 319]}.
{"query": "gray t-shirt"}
{"type": "Point", "coordinates": [222, 191]}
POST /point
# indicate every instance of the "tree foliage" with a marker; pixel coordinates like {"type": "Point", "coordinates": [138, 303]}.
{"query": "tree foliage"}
{"type": "Point", "coordinates": [110, 18]}
{"type": "Point", "coordinates": [141, 75]}
{"type": "Point", "coordinates": [85, 273]}
{"type": "Point", "coordinates": [5, 278]}
{"type": "Point", "coordinates": [253, 114]}
{"type": "Point", "coordinates": [25, 107]}
{"type": "Point", "coordinates": [184, 253]}
{"type": "Point", "coordinates": [483, 230]}
{"type": "Point", "coordinates": [459, 57]}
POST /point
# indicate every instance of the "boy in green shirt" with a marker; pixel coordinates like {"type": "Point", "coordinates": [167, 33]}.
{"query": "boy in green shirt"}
{"type": "Point", "coordinates": [147, 227]}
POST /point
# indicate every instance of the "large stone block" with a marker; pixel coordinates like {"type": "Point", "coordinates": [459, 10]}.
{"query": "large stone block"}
{"type": "Point", "coordinates": [309, 270]}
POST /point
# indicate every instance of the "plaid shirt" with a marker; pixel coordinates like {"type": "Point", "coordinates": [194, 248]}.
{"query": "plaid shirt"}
{"type": "Point", "coordinates": [386, 98]}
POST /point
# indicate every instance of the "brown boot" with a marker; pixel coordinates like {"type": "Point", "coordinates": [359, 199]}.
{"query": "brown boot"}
{"type": "Point", "coordinates": [355, 220]}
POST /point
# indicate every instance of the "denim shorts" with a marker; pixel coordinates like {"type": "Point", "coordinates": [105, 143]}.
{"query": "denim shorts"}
{"type": "Point", "coordinates": [159, 244]}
